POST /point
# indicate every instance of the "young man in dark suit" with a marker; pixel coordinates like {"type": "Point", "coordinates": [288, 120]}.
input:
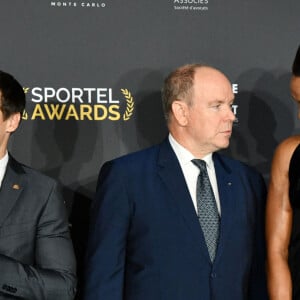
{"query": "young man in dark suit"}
{"type": "Point", "coordinates": [36, 254]}
{"type": "Point", "coordinates": [178, 221]}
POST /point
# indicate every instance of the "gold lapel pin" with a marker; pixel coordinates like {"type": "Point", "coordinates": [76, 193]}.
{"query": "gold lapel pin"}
{"type": "Point", "coordinates": [16, 187]}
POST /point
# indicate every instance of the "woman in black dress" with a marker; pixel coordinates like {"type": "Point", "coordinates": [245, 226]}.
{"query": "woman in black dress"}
{"type": "Point", "coordinates": [283, 211]}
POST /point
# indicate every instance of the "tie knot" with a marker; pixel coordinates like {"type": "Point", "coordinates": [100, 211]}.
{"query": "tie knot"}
{"type": "Point", "coordinates": [200, 163]}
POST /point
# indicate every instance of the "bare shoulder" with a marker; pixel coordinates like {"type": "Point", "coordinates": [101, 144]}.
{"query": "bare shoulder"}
{"type": "Point", "coordinates": [288, 146]}
{"type": "Point", "coordinates": [284, 152]}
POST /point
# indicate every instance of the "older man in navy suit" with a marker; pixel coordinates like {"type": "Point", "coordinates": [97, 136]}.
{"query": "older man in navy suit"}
{"type": "Point", "coordinates": [179, 221]}
{"type": "Point", "coordinates": [36, 253]}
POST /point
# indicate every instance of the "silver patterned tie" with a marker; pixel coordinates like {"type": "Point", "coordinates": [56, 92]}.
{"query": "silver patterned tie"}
{"type": "Point", "coordinates": [207, 209]}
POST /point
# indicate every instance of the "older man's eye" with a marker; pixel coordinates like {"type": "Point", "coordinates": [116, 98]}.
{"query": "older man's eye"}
{"type": "Point", "coordinates": [216, 106]}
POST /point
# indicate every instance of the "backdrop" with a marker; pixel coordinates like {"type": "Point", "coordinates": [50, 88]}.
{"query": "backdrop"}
{"type": "Point", "coordinates": [92, 71]}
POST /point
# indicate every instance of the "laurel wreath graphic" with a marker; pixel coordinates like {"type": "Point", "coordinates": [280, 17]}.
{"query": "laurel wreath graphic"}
{"type": "Point", "coordinates": [129, 104]}
{"type": "Point", "coordinates": [24, 115]}
{"type": "Point", "coordinates": [25, 89]}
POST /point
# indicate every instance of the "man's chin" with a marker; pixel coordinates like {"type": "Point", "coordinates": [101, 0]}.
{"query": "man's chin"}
{"type": "Point", "coordinates": [224, 145]}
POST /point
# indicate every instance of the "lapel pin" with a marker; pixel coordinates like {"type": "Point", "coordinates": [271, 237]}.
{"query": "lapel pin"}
{"type": "Point", "coordinates": [229, 183]}
{"type": "Point", "coordinates": [16, 187]}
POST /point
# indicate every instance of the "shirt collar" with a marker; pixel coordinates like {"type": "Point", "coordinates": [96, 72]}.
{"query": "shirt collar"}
{"type": "Point", "coordinates": [184, 156]}
{"type": "Point", "coordinates": [3, 165]}
{"type": "Point", "coordinates": [4, 161]}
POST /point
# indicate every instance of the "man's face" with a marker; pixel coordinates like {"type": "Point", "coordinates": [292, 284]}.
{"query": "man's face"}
{"type": "Point", "coordinates": [7, 126]}
{"type": "Point", "coordinates": [295, 91]}
{"type": "Point", "coordinates": [210, 115]}
{"type": "Point", "coordinates": [4, 134]}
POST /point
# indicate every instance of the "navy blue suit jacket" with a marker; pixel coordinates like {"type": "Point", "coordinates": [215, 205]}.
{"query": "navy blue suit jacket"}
{"type": "Point", "coordinates": [146, 242]}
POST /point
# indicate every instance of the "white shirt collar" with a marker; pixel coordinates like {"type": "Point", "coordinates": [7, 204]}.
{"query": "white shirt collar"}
{"type": "Point", "coordinates": [185, 156]}
{"type": "Point", "coordinates": [191, 171]}
{"type": "Point", "coordinates": [3, 165]}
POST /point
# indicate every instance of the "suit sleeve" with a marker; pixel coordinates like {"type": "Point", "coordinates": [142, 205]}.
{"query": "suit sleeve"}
{"type": "Point", "coordinates": [52, 276]}
{"type": "Point", "coordinates": [258, 282]}
{"type": "Point", "coordinates": [110, 215]}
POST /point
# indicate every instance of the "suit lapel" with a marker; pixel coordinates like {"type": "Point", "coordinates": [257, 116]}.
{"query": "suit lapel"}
{"type": "Point", "coordinates": [228, 188]}
{"type": "Point", "coordinates": [11, 188]}
{"type": "Point", "coordinates": [171, 174]}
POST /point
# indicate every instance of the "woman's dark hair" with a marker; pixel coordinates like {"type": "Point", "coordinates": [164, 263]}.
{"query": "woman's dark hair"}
{"type": "Point", "coordinates": [296, 64]}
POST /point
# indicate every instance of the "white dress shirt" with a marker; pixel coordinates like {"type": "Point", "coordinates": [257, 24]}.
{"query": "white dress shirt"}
{"type": "Point", "coordinates": [3, 164]}
{"type": "Point", "coordinates": [191, 172]}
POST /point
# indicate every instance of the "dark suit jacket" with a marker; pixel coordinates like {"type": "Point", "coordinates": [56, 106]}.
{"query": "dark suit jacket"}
{"type": "Point", "coordinates": [36, 253]}
{"type": "Point", "coordinates": [146, 242]}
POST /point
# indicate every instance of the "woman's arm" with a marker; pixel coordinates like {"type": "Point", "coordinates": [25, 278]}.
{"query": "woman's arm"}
{"type": "Point", "coordinates": [279, 223]}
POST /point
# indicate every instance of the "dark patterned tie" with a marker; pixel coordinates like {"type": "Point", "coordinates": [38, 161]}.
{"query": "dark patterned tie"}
{"type": "Point", "coordinates": [207, 209]}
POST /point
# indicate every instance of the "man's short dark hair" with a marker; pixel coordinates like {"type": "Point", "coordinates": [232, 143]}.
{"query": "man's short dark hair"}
{"type": "Point", "coordinates": [296, 64]}
{"type": "Point", "coordinates": [12, 96]}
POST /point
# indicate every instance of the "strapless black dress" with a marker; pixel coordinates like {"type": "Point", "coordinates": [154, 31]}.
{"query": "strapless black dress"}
{"type": "Point", "coordinates": [294, 247]}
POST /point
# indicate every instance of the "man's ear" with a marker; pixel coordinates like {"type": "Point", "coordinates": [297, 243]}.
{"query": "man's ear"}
{"type": "Point", "coordinates": [180, 112]}
{"type": "Point", "coordinates": [13, 122]}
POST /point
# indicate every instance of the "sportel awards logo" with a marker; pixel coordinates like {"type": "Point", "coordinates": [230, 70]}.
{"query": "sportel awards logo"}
{"type": "Point", "coordinates": [80, 104]}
